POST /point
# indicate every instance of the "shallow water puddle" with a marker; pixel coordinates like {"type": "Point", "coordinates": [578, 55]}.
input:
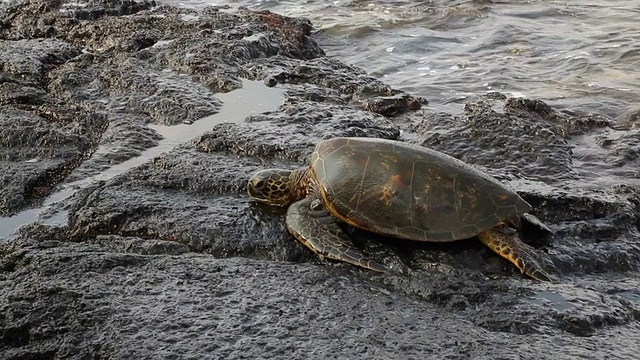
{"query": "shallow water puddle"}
{"type": "Point", "coordinates": [253, 97]}
{"type": "Point", "coordinates": [554, 299]}
{"type": "Point", "coordinates": [603, 165]}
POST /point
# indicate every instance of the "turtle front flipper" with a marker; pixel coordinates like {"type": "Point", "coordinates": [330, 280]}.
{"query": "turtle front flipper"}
{"type": "Point", "coordinates": [506, 243]}
{"type": "Point", "coordinates": [313, 226]}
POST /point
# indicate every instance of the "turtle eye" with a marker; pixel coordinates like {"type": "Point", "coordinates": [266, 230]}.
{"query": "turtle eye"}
{"type": "Point", "coordinates": [259, 184]}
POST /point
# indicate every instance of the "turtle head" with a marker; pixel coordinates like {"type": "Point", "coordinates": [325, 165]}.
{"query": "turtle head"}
{"type": "Point", "coordinates": [277, 187]}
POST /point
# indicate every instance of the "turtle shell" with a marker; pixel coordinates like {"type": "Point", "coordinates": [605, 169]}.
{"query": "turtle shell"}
{"type": "Point", "coordinates": [408, 191]}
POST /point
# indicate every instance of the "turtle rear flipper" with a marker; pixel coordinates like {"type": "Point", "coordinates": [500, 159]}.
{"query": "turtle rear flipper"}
{"type": "Point", "coordinates": [506, 243]}
{"type": "Point", "coordinates": [313, 226]}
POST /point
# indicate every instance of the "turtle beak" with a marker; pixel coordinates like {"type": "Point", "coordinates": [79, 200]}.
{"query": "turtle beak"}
{"type": "Point", "coordinates": [253, 190]}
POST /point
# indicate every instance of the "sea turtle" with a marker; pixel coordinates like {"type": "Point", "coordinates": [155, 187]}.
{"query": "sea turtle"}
{"type": "Point", "coordinates": [396, 189]}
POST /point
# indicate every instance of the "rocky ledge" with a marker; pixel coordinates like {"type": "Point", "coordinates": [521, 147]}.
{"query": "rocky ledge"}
{"type": "Point", "coordinates": [167, 258]}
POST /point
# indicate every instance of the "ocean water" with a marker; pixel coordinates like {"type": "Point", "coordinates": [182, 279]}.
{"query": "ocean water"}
{"type": "Point", "coordinates": [576, 54]}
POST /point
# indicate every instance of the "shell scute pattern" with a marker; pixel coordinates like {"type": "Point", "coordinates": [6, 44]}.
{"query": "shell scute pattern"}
{"type": "Point", "coordinates": [396, 190]}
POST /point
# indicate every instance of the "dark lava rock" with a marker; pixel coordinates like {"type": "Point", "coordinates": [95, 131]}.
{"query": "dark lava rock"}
{"type": "Point", "coordinates": [100, 299]}
{"type": "Point", "coordinates": [519, 142]}
{"type": "Point", "coordinates": [169, 259]}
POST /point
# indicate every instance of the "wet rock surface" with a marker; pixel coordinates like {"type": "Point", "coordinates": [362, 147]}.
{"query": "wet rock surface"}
{"type": "Point", "coordinates": [171, 259]}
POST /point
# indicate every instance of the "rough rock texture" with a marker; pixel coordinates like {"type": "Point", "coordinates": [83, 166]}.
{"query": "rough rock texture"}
{"type": "Point", "coordinates": [170, 259]}
{"type": "Point", "coordinates": [151, 299]}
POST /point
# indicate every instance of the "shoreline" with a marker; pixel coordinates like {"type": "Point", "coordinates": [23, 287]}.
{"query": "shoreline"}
{"type": "Point", "coordinates": [168, 258]}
